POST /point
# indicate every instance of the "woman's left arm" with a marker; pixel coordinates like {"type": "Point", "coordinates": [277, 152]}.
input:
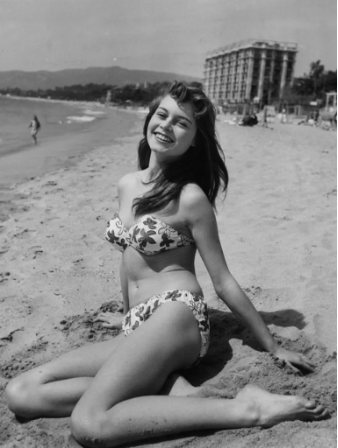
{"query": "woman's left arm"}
{"type": "Point", "coordinates": [203, 226]}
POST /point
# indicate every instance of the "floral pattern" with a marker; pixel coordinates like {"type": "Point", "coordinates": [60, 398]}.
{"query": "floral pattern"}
{"type": "Point", "coordinates": [149, 235]}
{"type": "Point", "coordinates": [117, 234]}
{"type": "Point", "coordinates": [140, 313]}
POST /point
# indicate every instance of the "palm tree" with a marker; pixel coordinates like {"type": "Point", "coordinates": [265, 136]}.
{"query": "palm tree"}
{"type": "Point", "coordinates": [316, 71]}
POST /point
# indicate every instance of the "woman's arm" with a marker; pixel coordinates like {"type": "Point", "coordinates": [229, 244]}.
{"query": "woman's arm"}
{"type": "Point", "coordinates": [114, 320]}
{"type": "Point", "coordinates": [202, 223]}
{"type": "Point", "coordinates": [124, 287]}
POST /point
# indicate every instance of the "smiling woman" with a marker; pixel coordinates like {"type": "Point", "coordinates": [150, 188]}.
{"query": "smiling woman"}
{"type": "Point", "coordinates": [171, 129]}
{"type": "Point", "coordinates": [130, 388]}
{"type": "Point", "coordinates": [202, 160]}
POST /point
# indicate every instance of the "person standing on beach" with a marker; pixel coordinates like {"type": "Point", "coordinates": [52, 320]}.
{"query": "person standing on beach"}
{"type": "Point", "coordinates": [265, 117]}
{"type": "Point", "coordinates": [131, 388]}
{"type": "Point", "coordinates": [35, 125]}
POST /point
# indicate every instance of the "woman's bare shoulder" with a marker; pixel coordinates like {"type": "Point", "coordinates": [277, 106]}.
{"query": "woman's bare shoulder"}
{"type": "Point", "coordinates": [128, 180]}
{"type": "Point", "coordinates": [192, 195]}
{"type": "Point", "coordinates": [194, 202]}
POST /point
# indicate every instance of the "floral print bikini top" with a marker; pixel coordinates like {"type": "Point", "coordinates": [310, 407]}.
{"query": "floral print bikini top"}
{"type": "Point", "coordinates": [149, 235]}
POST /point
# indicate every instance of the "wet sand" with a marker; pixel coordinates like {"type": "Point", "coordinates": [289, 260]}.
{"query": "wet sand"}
{"type": "Point", "coordinates": [278, 231]}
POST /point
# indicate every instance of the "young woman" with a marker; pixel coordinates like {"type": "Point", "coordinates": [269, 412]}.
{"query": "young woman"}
{"type": "Point", "coordinates": [113, 390]}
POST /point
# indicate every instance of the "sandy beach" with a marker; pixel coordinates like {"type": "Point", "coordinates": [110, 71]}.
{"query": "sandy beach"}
{"type": "Point", "coordinates": [278, 230]}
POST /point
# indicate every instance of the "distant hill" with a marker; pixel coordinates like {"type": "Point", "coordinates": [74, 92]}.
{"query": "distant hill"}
{"type": "Point", "coordinates": [98, 75]}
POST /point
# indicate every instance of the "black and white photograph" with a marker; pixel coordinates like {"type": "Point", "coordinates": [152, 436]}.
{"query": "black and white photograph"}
{"type": "Point", "coordinates": [168, 223]}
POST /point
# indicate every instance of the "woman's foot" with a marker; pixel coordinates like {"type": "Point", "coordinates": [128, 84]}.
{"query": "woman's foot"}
{"type": "Point", "coordinates": [270, 409]}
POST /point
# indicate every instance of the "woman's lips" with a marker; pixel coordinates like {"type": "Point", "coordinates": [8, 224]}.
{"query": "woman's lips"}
{"type": "Point", "coordinates": [163, 138]}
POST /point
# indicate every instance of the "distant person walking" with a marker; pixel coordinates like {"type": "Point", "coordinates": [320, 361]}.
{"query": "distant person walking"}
{"type": "Point", "coordinates": [265, 117]}
{"type": "Point", "coordinates": [35, 125]}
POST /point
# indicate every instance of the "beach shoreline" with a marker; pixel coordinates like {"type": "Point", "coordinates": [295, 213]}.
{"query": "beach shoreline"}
{"type": "Point", "coordinates": [64, 147]}
{"type": "Point", "coordinates": [277, 228]}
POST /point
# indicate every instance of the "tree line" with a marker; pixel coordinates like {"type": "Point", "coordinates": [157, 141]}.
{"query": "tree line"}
{"type": "Point", "coordinates": [140, 94]}
{"type": "Point", "coordinates": [311, 86]}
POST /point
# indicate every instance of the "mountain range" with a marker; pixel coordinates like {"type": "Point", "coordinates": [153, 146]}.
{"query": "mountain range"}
{"type": "Point", "coordinates": [117, 76]}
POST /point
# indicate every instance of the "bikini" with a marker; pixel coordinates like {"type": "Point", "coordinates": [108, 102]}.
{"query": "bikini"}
{"type": "Point", "coordinates": [151, 236]}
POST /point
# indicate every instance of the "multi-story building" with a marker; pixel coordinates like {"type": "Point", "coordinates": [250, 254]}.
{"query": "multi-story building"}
{"type": "Point", "coordinates": [250, 70]}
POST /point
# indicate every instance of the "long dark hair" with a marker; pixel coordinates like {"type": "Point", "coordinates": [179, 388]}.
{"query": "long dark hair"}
{"type": "Point", "coordinates": [202, 163]}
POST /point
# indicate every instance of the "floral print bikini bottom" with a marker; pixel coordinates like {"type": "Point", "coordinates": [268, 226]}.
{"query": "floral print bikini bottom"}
{"type": "Point", "coordinates": [140, 313]}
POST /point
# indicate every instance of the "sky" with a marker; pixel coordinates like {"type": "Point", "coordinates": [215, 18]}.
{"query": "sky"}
{"type": "Point", "coordinates": [161, 35]}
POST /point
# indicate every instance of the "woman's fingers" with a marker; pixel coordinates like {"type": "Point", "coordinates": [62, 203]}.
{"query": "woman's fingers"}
{"type": "Point", "coordinates": [101, 319]}
{"type": "Point", "coordinates": [293, 368]}
{"type": "Point", "coordinates": [107, 325]}
{"type": "Point", "coordinates": [302, 364]}
{"type": "Point", "coordinates": [307, 366]}
{"type": "Point", "coordinates": [109, 320]}
{"type": "Point", "coordinates": [104, 317]}
{"type": "Point", "coordinates": [306, 363]}
{"type": "Point", "coordinates": [313, 365]}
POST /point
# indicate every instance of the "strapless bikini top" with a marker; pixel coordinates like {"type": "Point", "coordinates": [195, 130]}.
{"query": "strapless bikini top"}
{"type": "Point", "coordinates": [148, 236]}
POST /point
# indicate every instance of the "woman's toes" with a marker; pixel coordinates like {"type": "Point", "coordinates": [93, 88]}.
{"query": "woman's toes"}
{"type": "Point", "coordinates": [326, 414]}
{"type": "Point", "coordinates": [320, 413]}
{"type": "Point", "coordinates": [310, 404]}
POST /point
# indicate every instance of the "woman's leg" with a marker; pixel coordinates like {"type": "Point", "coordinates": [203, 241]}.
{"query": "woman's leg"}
{"type": "Point", "coordinates": [121, 405]}
{"type": "Point", "coordinates": [53, 389]}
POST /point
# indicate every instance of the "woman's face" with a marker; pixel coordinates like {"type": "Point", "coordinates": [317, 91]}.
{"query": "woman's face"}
{"type": "Point", "coordinates": [172, 129]}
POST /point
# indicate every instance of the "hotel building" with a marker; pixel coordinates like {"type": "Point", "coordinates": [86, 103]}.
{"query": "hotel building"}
{"type": "Point", "coordinates": [250, 70]}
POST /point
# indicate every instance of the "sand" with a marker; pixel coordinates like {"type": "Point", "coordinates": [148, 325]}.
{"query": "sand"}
{"type": "Point", "coordinates": [278, 231]}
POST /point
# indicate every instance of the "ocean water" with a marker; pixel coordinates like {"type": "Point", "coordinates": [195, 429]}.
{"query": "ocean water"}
{"type": "Point", "coordinates": [68, 130]}
{"type": "Point", "coordinates": [56, 119]}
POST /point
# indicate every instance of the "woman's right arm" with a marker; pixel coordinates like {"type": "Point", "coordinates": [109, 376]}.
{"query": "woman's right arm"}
{"type": "Point", "coordinates": [203, 226]}
{"type": "Point", "coordinates": [114, 320]}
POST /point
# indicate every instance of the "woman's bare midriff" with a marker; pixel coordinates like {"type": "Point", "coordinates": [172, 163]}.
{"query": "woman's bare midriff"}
{"type": "Point", "coordinates": [149, 275]}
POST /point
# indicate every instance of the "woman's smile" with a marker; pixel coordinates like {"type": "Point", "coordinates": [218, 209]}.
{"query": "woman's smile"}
{"type": "Point", "coordinates": [172, 128]}
{"type": "Point", "coordinates": [163, 137]}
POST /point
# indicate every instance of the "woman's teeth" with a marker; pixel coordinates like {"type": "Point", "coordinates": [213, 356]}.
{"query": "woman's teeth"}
{"type": "Point", "coordinates": [163, 138]}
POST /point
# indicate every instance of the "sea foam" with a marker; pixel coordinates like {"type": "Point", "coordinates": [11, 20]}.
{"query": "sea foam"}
{"type": "Point", "coordinates": [84, 119]}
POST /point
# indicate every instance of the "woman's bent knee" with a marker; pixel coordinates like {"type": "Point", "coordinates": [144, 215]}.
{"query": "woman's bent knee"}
{"type": "Point", "coordinates": [18, 395]}
{"type": "Point", "coordinates": [23, 393]}
{"type": "Point", "coordinates": [91, 430]}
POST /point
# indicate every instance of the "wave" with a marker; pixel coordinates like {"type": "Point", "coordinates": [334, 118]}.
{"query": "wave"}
{"type": "Point", "coordinates": [81, 119]}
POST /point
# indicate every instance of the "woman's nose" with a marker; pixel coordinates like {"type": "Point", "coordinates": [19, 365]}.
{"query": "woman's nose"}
{"type": "Point", "coordinates": [166, 125]}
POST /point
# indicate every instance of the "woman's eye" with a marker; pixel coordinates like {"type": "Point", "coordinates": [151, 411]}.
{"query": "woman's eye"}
{"type": "Point", "coordinates": [182, 123]}
{"type": "Point", "coordinates": [160, 114]}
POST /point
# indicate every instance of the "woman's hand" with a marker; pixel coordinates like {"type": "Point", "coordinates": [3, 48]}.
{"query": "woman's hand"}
{"type": "Point", "coordinates": [293, 359]}
{"type": "Point", "coordinates": [110, 320]}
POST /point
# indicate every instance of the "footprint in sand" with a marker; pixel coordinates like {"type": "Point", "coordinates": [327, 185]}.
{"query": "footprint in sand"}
{"type": "Point", "coordinates": [254, 290]}
{"type": "Point", "coordinates": [92, 240]}
{"type": "Point", "coordinates": [4, 249]}
{"type": "Point", "coordinates": [24, 361]}
{"type": "Point", "coordinates": [34, 252]}
{"type": "Point", "coordinates": [331, 193]}
{"type": "Point", "coordinates": [23, 234]}
{"type": "Point", "coordinates": [83, 326]}
{"type": "Point", "coordinates": [4, 276]}
{"type": "Point", "coordinates": [50, 183]}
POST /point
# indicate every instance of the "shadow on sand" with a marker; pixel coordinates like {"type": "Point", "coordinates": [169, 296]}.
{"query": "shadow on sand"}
{"type": "Point", "coordinates": [224, 327]}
